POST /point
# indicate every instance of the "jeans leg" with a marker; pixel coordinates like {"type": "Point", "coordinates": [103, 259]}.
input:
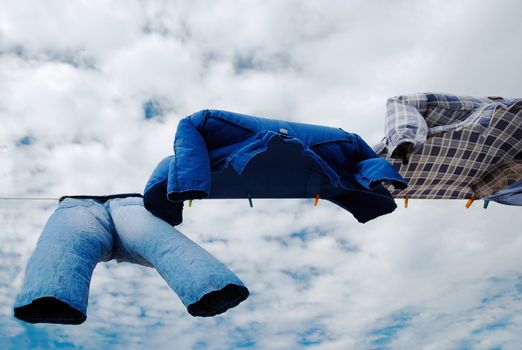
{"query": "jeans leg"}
{"type": "Point", "coordinates": [56, 286]}
{"type": "Point", "coordinates": [204, 284]}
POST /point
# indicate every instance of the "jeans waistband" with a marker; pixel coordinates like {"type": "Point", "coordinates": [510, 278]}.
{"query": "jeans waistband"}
{"type": "Point", "coordinates": [103, 199]}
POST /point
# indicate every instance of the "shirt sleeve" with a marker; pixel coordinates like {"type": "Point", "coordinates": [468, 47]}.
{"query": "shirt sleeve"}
{"type": "Point", "coordinates": [413, 117]}
{"type": "Point", "coordinates": [405, 121]}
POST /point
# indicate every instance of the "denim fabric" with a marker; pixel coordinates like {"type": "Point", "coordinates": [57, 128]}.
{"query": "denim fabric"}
{"type": "Point", "coordinates": [220, 154]}
{"type": "Point", "coordinates": [82, 232]}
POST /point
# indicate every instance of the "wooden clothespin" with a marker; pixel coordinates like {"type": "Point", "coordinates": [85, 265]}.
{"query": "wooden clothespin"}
{"type": "Point", "coordinates": [406, 201]}
{"type": "Point", "coordinates": [316, 199]}
{"type": "Point", "coordinates": [470, 201]}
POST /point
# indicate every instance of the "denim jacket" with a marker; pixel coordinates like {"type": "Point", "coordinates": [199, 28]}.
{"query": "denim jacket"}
{"type": "Point", "coordinates": [221, 154]}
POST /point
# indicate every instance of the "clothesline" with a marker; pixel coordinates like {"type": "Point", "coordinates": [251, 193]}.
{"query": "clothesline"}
{"type": "Point", "coordinates": [316, 199]}
{"type": "Point", "coordinates": [28, 199]}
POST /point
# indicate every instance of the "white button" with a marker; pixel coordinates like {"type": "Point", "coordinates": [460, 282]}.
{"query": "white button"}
{"type": "Point", "coordinates": [283, 131]}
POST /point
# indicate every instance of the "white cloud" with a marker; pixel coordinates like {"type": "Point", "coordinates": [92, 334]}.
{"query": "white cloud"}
{"type": "Point", "coordinates": [74, 79]}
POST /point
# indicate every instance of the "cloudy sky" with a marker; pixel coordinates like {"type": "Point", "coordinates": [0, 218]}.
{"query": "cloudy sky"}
{"type": "Point", "coordinates": [90, 96]}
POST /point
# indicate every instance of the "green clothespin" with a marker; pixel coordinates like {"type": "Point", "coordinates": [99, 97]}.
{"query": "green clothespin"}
{"type": "Point", "coordinates": [190, 203]}
{"type": "Point", "coordinates": [486, 203]}
{"type": "Point", "coordinates": [250, 201]}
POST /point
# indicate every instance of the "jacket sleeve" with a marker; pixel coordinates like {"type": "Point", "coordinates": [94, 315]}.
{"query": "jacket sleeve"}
{"type": "Point", "coordinates": [405, 121]}
{"type": "Point", "coordinates": [155, 195]}
{"type": "Point", "coordinates": [371, 170]}
{"type": "Point", "coordinates": [189, 172]}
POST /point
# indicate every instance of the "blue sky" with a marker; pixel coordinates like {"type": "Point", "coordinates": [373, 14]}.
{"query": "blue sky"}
{"type": "Point", "coordinates": [90, 96]}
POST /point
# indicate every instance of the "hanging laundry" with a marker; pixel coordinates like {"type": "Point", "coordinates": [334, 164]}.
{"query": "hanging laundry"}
{"type": "Point", "coordinates": [85, 230]}
{"type": "Point", "coordinates": [220, 154]}
{"type": "Point", "coordinates": [455, 147]}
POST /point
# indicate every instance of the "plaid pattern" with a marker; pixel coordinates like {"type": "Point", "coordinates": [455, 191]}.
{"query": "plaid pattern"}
{"type": "Point", "coordinates": [458, 142]}
{"type": "Point", "coordinates": [498, 178]}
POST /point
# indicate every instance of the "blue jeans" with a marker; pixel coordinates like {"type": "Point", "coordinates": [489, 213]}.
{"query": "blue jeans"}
{"type": "Point", "coordinates": [82, 232]}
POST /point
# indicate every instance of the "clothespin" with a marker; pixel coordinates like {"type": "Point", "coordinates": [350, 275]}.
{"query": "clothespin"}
{"type": "Point", "coordinates": [470, 201]}
{"type": "Point", "coordinates": [486, 203]}
{"type": "Point", "coordinates": [190, 203]}
{"type": "Point", "coordinates": [406, 201]}
{"type": "Point", "coordinates": [316, 199]}
{"type": "Point", "coordinates": [250, 201]}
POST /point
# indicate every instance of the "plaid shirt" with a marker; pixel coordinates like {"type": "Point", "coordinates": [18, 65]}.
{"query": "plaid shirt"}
{"type": "Point", "coordinates": [462, 145]}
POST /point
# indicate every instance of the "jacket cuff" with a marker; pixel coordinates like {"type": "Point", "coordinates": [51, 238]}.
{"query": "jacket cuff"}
{"type": "Point", "coordinates": [187, 195]}
{"type": "Point", "coordinates": [371, 172]}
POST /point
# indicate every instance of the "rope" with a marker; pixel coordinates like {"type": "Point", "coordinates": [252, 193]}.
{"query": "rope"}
{"type": "Point", "coordinates": [27, 199]}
